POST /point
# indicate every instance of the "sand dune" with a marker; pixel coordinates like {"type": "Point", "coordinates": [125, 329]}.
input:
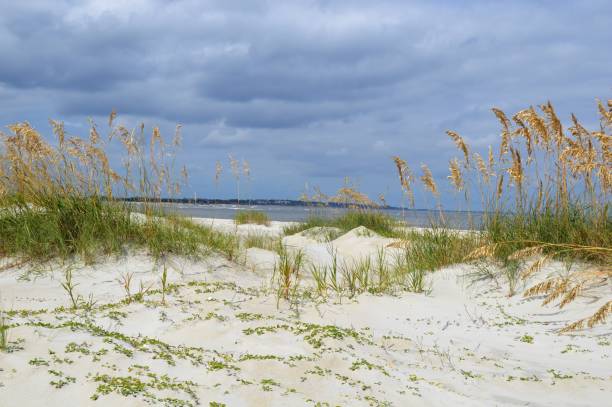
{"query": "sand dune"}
{"type": "Point", "coordinates": [222, 337]}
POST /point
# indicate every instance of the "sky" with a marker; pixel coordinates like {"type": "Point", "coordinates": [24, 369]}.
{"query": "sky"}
{"type": "Point", "coordinates": [308, 92]}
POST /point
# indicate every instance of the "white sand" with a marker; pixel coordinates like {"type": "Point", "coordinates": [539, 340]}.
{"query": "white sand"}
{"type": "Point", "coordinates": [221, 337]}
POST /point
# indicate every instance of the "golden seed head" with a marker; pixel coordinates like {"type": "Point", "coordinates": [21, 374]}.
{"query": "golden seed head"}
{"type": "Point", "coordinates": [460, 143]}
{"type": "Point", "coordinates": [455, 174]}
{"type": "Point", "coordinates": [428, 180]}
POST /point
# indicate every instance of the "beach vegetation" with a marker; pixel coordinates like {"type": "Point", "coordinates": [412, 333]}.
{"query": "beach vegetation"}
{"type": "Point", "coordinates": [4, 331]}
{"type": "Point", "coordinates": [373, 219]}
{"type": "Point", "coordinates": [243, 217]}
{"type": "Point", "coordinates": [545, 195]}
{"type": "Point", "coordinates": [287, 271]}
{"type": "Point", "coordinates": [64, 198]}
{"type": "Point", "coordinates": [260, 241]}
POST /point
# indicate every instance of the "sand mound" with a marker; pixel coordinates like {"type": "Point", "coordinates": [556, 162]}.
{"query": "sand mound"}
{"type": "Point", "coordinates": [359, 243]}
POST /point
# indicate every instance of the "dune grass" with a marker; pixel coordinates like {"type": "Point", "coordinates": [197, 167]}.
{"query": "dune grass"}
{"type": "Point", "coordinates": [260, 241]}
{"type": "Point", "coordinates": [416, 253]}
{"type": "Point", "coordinates": [388, 272]}
{"type": "Point", "coordinates": [251, 217]}
{"type": "Point", "coordinates": [89, 228]}
{"type": "Point", "coordinates": [59, 200]}
{"type": "Point", "coordinates": [435, 247]}
{"type": "Point", "coordinates": [4, 332]}
{"type": "Point", "coordinates": [372, 219]}
{"type": "Point", "coordinates": [545, 194]}
{"type": "Point", "coordinates": [513, 232]}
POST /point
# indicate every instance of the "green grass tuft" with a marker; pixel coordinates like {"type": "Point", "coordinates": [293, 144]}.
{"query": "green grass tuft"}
{"type": "Point", "coordinates": [376, 221]}
{"type": "Point", "coordinates": [251, 217]}
{"type": "Point", "coordinates": [65, 226]}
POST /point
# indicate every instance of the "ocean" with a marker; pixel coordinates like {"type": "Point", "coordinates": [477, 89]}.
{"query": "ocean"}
{"type": "Point", "coordinates": [413, 217]}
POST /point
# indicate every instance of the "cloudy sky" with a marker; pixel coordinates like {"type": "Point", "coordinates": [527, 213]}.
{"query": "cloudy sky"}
{"type": "Point", "coordinates": [306, 91]}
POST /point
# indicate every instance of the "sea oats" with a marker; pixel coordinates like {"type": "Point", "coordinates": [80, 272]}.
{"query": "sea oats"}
{"type": "Point", "coordinates": [516, 170]}
{"type": "Point", "coordinates": [505, 134]}
{"type": "Point", "coordinates": [406, 178]}
{"type": "Point", "coordinates": [234, 165]}
{"type": "Point", "coordinates": [538, 125]}
{"type": "Point", "coordinates": [571, 294]}
{"type": "Point", "coordinates": [428, 181]}
{"type": "Point", "coordinates": [535, 266]}
{"type": "Point", "coordinates": [482, 251]}
{"type": "Point", "coordinates": [460, 143]}
{"type": "Point", "coordinates": [111, 118]}
{"type": "Point", "coordinates": [523, 131]}
{"type": "Point", "coordinates": [177, 140]}
{"type": "Point", "coordinates": [218, 171]}
{"type": "Point", "coordinates": [246, 169]}
{"type": "Point", "coordinates": [94, 136]}
{"type": "Point", "coordinates": [553, 123]}
{"type": "Point", "coordinates": [482, 167]}
{"type": "Point", "coordinates": [59, 131]}
{"type": "Point", "coordinates": [600, 315]}
{"type": "Point", "coordinates": [455, 174]}
{"type": "Point", "coordinates": [606, 114]}
{"type": "Point", "coordinates": [526, 252]}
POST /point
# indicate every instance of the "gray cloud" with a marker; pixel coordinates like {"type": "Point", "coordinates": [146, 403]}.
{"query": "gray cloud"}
{"type": "Point", "coordinates": [306, 90]}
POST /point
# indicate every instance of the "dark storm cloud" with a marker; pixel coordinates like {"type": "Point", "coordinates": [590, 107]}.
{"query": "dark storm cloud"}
{"type": "Point", "coordinates": [324, 89]}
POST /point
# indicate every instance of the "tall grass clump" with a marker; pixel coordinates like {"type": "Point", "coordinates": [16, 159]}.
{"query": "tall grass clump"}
{"type": "Point", "coordinates": [64, 198]}
{"type": "Point", "coordinates": [251, 217]}
{"type": "Point", "coordinates": [435, 247]}
{"type": "Point", "coordinates": [287, 271]}
{"type": "Point", "coordinates": [545, 192]}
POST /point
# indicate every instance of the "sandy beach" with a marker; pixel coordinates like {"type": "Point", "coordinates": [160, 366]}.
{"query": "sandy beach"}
{"type": "Point", "coordinates": [221, 337]}
{"type": "Point", "coordinates": [305, 203]}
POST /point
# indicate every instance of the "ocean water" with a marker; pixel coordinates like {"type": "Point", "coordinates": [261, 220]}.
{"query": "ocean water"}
{"type": "Point", "coordinates": [454, 219]}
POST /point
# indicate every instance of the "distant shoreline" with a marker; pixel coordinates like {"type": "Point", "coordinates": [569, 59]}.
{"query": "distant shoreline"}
{"type": "Point", "coordinates": [284, 202]}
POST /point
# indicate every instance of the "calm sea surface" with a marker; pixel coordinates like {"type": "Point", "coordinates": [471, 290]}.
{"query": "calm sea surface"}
{"type": "Point", "coordinates": [301, 213]}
